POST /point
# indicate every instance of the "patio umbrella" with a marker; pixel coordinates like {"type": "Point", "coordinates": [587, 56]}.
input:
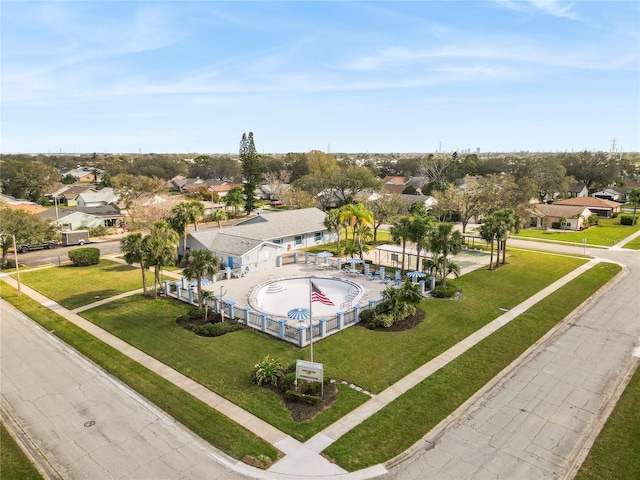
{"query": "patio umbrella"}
{"type": "Point", "coordinates": [299, 314]}
{"type": "Point", "coordinates": [354, 261]}
{"type": "Point", "coordinates": [415, 275]}
{"type": "Point", "coordinates": [325, 255]}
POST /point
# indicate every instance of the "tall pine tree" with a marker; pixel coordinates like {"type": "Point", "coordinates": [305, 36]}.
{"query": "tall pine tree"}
{"type": "Point", "coordinates": [251, 170]}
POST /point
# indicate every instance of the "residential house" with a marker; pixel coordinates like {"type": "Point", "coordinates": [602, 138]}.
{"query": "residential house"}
{"type": "Point", "coordinates": [568, 216]}
{"type": "Point", "coordinates": [187, 185]}
{"type": "Point", "coordinates": [20, 204]}
{"type": "Point", "coordinates": [428, 201]}
{"type": "Point", "coordinates": [257, 241]}
{"type": "Point", "coordinates": [598, 206]}
{"type": "Point", "coordinates": [610, 193]}
{"type": "Point", "coordinates": [83, 174]}
{"type": "Point", "coordinates": [393, 184]}
{"type": "Point", "coordinates": [578, 190]}
{"type": "Point", "coordinates": [83, 218]}
{"type": "Point", "coordinates": [67, 195]}
{"type": "Point", "coordinates": [98, 198]}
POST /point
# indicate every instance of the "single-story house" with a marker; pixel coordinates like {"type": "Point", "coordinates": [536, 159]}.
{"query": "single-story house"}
{"type": "Point", "coordinates": [83, 218]}
{"type": "Point", "coordinates": [257, 241]}
{"type": "Point", "coordinates": [67, 195]}
{"type": "Point", "coordinates": [428, 201]}
{"type": "Point", "coordinates": [83, 174]}
{"type": "Point", "coordinates": [598, 206]}
{"type": "Point", "coordinates": [20, 204]}
{"type": "Point", "coordinates": [578, 190]}
{"type": "Point", "coordinates": [187, 184]}
{"type": "Point", "coordinates": [98, 198]}
{"type": "Point", "coordinates": [614, 194]}
{"type": "Point", "coordinates": [570, 217]}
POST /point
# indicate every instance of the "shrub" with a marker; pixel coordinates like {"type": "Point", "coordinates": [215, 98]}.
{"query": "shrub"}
{"type": "Point", "coordinates": [83, 257]}
{"type": "Point", "coordinates": [288, 381]}
{"type": "Point", "coordinates": [99, 231]}
{"type": "Point", "coordinates": [216, 329]}
{"type": "Point", "coordinates": [367, 316]}
{"type": "Point", "coordinates": [442, 292]}
{"type": "Point", "coordinates": [294, 396]}
{"type": "Point", "coordinates": [592, 220]}
{"type": "Point", "coordinates": [626, 220]}
{"type": "Point", "coordinates": [267, 370]}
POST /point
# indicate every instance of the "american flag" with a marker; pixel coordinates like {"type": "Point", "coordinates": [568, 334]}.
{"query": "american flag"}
{"type": "Point", "coordinates": [318, 296]}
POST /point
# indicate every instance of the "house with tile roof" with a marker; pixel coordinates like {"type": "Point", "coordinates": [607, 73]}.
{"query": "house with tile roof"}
{"type": "Point", "coordinates": [598, 206]}
{"type": "Point", "coordinates": [257, 241]}
{"type": "Point", "coordinates": [571, 217]}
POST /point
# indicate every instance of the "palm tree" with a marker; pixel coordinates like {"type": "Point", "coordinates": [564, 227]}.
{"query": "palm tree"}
{"type": "Point", "coordinates": [401, 232]}
{"type": "Point", "coordinates": [184, 214]}
{"type": "Point", "coordinates": [356, 215]}
{"type": "Point", "coordinates": [234, 199]}
{"type": "Point", "coordinates": [634, 197]}
{"type": "Point", "coordinates": [195, 212]}
{"type": "Point", "coordinates": [219, 215]}
{"type": "Point", "coordinates": [199, 263]}
{"type": "Point", "coordinates": [489, 231]}
{"type": "Point", "coordinates": [364, 234]}
{"type": "Point", "coordinates": [333, 222]}
{"type": "Point", "coordinates": [133, 248]}
{"type": "Point", "coordinates": [419, 234]}
{"type": "Point", "coordinates": [160, 248]}
{"type": "Point", "coordinates": [510, 222]}
{"type": "Point", "coordinates": [445, 241]}
{"type": "Point", "coordinates": [402, 301]}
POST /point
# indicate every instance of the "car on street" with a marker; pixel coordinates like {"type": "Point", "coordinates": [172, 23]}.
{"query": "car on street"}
{"type": "Point", "coordinates": [25, 247]}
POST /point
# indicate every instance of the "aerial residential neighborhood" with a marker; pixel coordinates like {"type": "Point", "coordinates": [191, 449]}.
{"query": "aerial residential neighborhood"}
{"type": "Point", "coordinates": [320, 240]}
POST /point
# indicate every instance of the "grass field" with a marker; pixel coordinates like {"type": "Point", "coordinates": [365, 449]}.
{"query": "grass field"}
{"type": "Point", "coordinates": [73, 287]}
{"type": "Point", "coordinates": [403, 422]}
{"type": "Point", "coordinates": [224, 364]}
{"type": "Point", "coordinates": [14, 464]}
{"type": "Point", "coordinates": [607, 233]}
{"type": "Point", "coordinates": [616, 452]}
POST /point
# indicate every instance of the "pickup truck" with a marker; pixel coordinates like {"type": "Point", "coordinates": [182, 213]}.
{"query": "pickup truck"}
{"type": "Point", "coordinates": [24, 247]}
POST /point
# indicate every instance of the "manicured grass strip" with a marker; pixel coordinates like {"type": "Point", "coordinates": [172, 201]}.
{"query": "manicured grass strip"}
{"type": "Point", "coordinates": [403, 422]}
{"type": "Point", "coordinates": [73, 287]}
{"type": "Point", "coordinates": [633, 244]}
{"type": "Point", "coordinates": [616, 452]}
{"type": "Point", "coordinates": [14, 464]}
{"type": "Point", "coordinates": [209, 424]}
{"type": "Point", "coordinates": [372, 360]}
{"type": "Point", "coordinates": [607, 233]}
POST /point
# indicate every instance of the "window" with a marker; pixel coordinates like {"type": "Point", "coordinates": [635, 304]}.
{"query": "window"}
{"type": "Point", "coordinates": [317, 237]}
{"type": "Point", "coordinates": [278, 241]}
{"type": "Point", "coordinates": [297, 240]}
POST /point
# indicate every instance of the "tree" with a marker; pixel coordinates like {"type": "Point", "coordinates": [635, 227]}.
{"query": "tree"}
{"type": "Point", "coordinates": [352, 180]}
{"type": "Point", "coordinates": [510, 222]}
{"type": "Point", "coordinates": [133, 188]}
{"type": "Point", "coordinates": [401, 232]}
{"type": "Point", "coordinates": [219, 215]}
{"type": "Point", "coordinates": [24, 226]}
{"type": "Point", "coordinates": [419, 230]}
{"type": "Point", "coordinates": [132, 246]}
{"type": "Point", "coordinates": [333, 221]}
{"type": "Point", "coordinates": [634, 198]}
{"type": "Point", "coordinates": [354, 216]}
{"type": "Point", "coordinates": [402, 301]}
{"type": "Point", "coordinates": [251, 170]}
{"type": "Point", "coordinates": [199, 263]}
{"type": "Point", "coordinates": [160, 248]}
{"type": "Point", "coordinates": [547, 174]}
{"type": "Point", "coordinates": [364, 234]}
{"type": "Point", "coordinates": [234, 199]}
{"type": "Point", "coordinates": [27, 178]}
{"type": "Point", "coordinates": [489, 231]}
{"type": "Point", "coordinates": [385, 209]}
{"type": "Point", "coordinates": [184, 214]}
{"type": "Point", "coordinates": [445, 241]}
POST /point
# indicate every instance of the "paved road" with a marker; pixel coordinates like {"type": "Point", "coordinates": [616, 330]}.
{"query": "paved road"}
{"type": "Point", "coordinates": [52, 393]}
{"type": "Point", "coordinates": [540, 419]}
{"type": "Point", "coordinates": [61, 254]}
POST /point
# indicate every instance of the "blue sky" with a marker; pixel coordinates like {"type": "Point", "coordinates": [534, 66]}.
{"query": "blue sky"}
{"type": "Point", "coordinates": [343, 76]}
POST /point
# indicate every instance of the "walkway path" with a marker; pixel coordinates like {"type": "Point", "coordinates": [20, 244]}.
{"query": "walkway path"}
{"type": "Point", "coordinates": [304, 459]}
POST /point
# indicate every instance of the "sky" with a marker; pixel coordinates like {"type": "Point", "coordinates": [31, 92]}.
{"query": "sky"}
{"type": "Point", "coordinates": [336, 76]}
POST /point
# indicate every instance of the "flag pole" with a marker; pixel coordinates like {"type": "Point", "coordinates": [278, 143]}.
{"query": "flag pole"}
{"type": "Point", "coordinates": [310, 322]}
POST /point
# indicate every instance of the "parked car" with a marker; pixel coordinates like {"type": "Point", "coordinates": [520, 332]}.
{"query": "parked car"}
{"type": "Point", "coordinates": [24, 247]}
{"type": "Point", "coordinates": [277, 203]}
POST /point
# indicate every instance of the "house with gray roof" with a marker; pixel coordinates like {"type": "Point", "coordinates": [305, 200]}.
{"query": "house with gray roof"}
{"type": "Point", "coordinates": [257, 241]}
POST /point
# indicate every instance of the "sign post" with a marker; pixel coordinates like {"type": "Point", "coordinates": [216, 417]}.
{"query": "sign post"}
{"type": "Point", "coordinates": [311, 372]}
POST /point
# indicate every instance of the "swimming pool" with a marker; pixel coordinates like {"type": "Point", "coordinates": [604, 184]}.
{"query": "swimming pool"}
{"type": "Point", "coordinates": [279, 295]}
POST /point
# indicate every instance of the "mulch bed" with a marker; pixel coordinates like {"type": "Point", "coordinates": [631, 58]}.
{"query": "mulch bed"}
{"type": "Point", "coordinates": [303, 411]}
{"type": "Point", "coordinates": [404, 324]}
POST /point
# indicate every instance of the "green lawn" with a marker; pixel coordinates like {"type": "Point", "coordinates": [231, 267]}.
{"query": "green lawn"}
{"type": "Point", "coordinates": [608, 233]}
{"type": "Point", "coordinates": [14, 464]}
{"type": "Point", "coordinates": [73, 287]}
{"type": "Point", "coordinates": [209, 424]}
{"type": "Point", "coordinates": [403, 422]}
{"type": "Point", "coordinates": [224, 364]}
{"type": "Point", "coordinates": [616, 452]}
